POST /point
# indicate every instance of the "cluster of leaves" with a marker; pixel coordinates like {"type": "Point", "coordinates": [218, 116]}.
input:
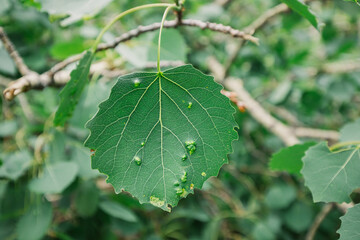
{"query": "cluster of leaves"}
{"type": "Point", "coordinates": [331, 174]}
{"type": "Point", "coordinates": [45, 171]}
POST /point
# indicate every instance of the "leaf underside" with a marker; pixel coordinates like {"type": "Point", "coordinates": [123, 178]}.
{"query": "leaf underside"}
{"type": "Point", "coordinates": [160, 135]}
{"type": "Point", "coordinates": [331, 176]}
{"type": "Point", "coordinates": [71, 93]}
{"type": "Point", "coordinates": [350, 223]}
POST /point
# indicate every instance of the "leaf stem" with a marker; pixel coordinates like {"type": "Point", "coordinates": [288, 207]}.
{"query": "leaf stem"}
{"type": "Point", "coordinates": [161, 28]}
{"type": "Point", "coordinates": [118, 17]}
{"type": "Point", "coordinates": [343, 144]}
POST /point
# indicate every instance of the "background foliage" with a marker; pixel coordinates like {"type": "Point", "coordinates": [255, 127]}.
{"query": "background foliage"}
{"type": "Point", "coordinates": [45, 173]}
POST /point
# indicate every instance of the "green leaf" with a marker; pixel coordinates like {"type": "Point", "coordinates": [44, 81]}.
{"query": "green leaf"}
{"type": "Point", "coordinates": [299, 217]}
{"type": "Point", "coordinates": [15, 165]}
{"type": "Point", "coordinates": [87, 199]}
{"type": "Point", "coordinates": [350, 223]}
{"type": "Point", "coordinates": [35, 223]}
{"type": "Point", "coordinates": [302, 9]}
{"type": "Point", "coordinates": [289, 159]}
{"type": "Point", "coordinates": [350, 132]}
{"type": "Point", "coordinates": [118, 211]}
{"type": "Point", "coordinates": [160, 135]}
{"type": "Point", "coordinates": [280, 196]}
{"type": "Point", "coordinates": [331, 176]}
{"type": "Point", "coordinates": [55, 179]}
{"type": "Point", "coordinates": [71, 93]}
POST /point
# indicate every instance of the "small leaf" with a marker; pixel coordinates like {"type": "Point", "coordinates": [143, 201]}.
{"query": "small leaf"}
{"type": "Point", "coordinates": [35, 223]}
{"type": "Point", "coordinates": [153, 123]}
{"type": "Point", "coordinates": [289, 159]}
{"type": "Point", "coordinates": [350, 132]}
{"type": "Point", "coordinates": [118, 211]}
{"type": "Point", "coordinates": [302, 9]}
{"type": "Point", "coordinates": [71, 93]}
{"type": "Point", "coordinates": [350, 223]}
{"type": "Point", "coordinates": [55, 179]}
{"type": "Point", "coordinates": [87, 199]}
{"type": "Point", "coordinates": [331, 176]}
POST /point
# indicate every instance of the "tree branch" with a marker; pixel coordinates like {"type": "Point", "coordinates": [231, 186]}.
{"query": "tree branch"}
{"type": "Point", "coordinates": [260, 114]}
{"type": "Point", "coordinates": [10, 48]}
{"type": "Point", "coordinates": [289, 135]}
{"type": "Point", "coordinates": [36, 81]}
{"type": "Point", "coordinates": [318, 220]}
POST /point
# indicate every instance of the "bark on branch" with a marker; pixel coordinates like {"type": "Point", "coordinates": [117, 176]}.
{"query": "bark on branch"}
{"type": "Point", "coordinates": [50, 78]}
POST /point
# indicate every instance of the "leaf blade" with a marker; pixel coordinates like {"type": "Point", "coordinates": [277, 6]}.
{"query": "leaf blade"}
{"type": "Point", "coordinates": [71, 93]}
{"type": "Point", "coordinates": [180, 109]}
{"type": "Point", "coordinates": [331, 176]}
{"type": "Point", "coordinates": [289, 159]}
{"type": "Point", "coordinates": [349, 228]}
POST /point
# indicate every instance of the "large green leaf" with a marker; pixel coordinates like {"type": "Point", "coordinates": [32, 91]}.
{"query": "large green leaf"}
{"type": "Point", "coordinates": [302, 9]}
{"type": "Point", "coordinates": [71, 93]}
{"type": "Point", "coordinates": [160, 135]}
{"type": "Point", "coordinates": [55, 178]}
{"type": "Point", "coordinates": [331, 176]}
{"type": "Point", "coordinates": [350, 223]}
{"type": "Point", "coordinates": [289, 159]}
{"type": "Point", "coordinates": [35, 223]}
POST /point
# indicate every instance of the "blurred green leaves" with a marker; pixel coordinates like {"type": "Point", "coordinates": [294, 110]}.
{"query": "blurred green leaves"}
{"type": "Point", "coordinates": [116, 210]}
{"type": "Point", "coordinates": [34, 224]}
{"type": "Point", "coordinates": [72, 11]}
{"type": "Point", "coordinates": [55, 179]}
{"type": "Point", "coordinates": [143, 50]}
{"type": "Point", "coordinates": [15, 165]}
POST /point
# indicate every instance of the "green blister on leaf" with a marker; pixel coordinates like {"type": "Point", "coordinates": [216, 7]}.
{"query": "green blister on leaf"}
{"type": "Point", "coordinates": [71, 93]}
{"type": "Point", "coordinates": [157, 113]}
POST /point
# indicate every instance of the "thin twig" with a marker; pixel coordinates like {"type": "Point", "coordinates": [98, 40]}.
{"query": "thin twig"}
{"type": "Point", "coordinates": [36, 81]}
{"type": "Point", "coordinates": [9, 46]}
{"type": "Point", "coordinates": [300, 132]}
{"type": "Point", "coordinates": [250, 29]}
{"type": "Point", "coordinates": [260, 114]}
{"type": "Point", "coordinates": [303, 132]}
{"type": "Point", "coordinates": [318, 220]}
